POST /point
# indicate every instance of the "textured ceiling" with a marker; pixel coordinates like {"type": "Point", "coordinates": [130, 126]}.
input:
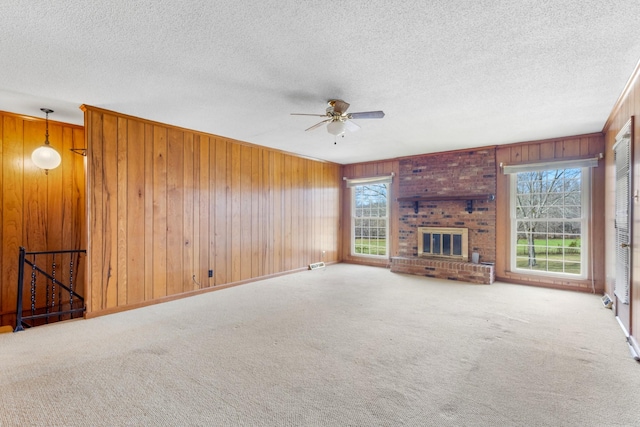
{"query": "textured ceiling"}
{"type": "Point", "coordinates": [448, 74]}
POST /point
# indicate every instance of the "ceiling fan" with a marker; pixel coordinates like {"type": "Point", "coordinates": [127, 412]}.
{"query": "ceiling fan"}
{"type": "Point", "coordinates": [337, 118]}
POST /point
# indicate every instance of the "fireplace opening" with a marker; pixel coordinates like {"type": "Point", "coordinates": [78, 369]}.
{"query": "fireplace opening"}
{"type": "Point", "coordinates": [443, 242]}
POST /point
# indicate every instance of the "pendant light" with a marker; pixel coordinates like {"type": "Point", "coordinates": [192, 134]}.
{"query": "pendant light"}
{"type": "Point", "coordinates": [46, 157]}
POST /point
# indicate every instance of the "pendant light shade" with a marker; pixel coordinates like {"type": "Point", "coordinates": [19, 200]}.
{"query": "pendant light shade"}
{"type": "Point", "coordinates": [336, 127]}
{"type": "Point", "coordinates": [46, 157]}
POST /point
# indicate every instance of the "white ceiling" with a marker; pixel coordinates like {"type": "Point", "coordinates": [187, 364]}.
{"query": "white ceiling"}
{"type": "Point", "coordinates": [449, 74]}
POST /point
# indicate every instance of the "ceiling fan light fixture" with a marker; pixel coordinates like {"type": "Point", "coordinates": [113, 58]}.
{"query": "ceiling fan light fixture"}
{"type": "Point", "coordinates": [336, 127]}
{"type": "Point", "coordinates": [46, 157]}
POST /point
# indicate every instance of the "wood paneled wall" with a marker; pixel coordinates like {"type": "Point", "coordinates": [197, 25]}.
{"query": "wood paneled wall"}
{"type": "Point", "coordinates": [363, 170]}
{"type": "Point", "coordinates": [39, 211]}
{"type": "Point", "coordinates": [167, 204]}
{"type": "Point", "coordinates": [585, 146]}
{"type": "Point", "coordinates": [627, 106]}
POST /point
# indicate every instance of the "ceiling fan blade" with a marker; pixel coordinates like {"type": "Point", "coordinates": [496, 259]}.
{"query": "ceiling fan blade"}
{"type": "Point", "coordinates": [351, 126]}
{"type": "Point", "coordinates": [367, 115]}
{"type": "Point", "coordinates": [303, 114]}
{"type": "Point", "coordinates": [318, 124]}
{"type": "Point", "coordinates": [339, 106]}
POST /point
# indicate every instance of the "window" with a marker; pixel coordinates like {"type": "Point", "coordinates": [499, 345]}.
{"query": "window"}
{"type": "Point", "coordinates": [549, 221]}
{"type": "Point", "coordinates": [370, 219]}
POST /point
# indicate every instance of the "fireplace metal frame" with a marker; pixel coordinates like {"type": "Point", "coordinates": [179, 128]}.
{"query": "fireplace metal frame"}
{"type": "Point", "coordinates": [464, 232]}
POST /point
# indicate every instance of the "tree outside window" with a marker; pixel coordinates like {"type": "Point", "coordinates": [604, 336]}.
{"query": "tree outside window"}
{"type": "Point", "coordinates": [549, 221]}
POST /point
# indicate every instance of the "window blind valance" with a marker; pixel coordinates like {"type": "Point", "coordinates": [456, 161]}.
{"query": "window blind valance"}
{"type": "Point", "coordinates": [561, 164]}
{"type": "Point", "coordinates": [352, 182]}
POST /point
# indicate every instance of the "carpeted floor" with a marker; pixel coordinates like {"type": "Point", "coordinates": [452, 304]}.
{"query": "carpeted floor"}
{"type": "Point", "coordinates": [344, 346]}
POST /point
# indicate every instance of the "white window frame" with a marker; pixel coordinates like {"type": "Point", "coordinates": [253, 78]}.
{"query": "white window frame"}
{"type": "Point", "coordinates": [585, 189]}
{"type": "Point", "coordinates": [369, 181]}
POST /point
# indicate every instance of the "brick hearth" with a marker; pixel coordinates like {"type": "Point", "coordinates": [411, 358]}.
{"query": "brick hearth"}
{"type": "Point", "coordinates": [442, 269]}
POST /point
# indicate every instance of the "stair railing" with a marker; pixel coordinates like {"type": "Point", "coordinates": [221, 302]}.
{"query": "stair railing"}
{"type": "Point", "coordinates": [53, 300]}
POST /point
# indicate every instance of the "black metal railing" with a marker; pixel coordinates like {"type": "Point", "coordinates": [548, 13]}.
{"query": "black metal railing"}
{"type": "Point", "coordinates": [52, 294]}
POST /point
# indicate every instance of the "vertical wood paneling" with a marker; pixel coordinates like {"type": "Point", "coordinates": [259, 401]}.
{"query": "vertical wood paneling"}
{"type": "Point", "coordinates": [267, 229]}
{"type": "Point", "coordinates": [245, 199]}
{"type": "Point", "coordinates": [3, 300]}
{"type": "Point", "coordinates": [122, 209]}
{"type": "Point", "coordinates": [221, 196]}
{"type": "Point", "coordinates": [235, 215]}
{"type": "Point", "coordinates": [287, 218]}
{"type": "Point", "coordinates": [54, 217]}
{"type": "Point", "coordinates": [136, 195]}
{"type": "Point", "coordinates": [176, 274]}
{"type": "Point", "coordinates": [159, 235]}
{"type": "Point", "coordinates": [278, 212]}
{"type": "Point", "coordinates": [110, 209]}
{"type": "Point", "coordinates": [295, 212]}
{"type": "Point", "coordinates": [38, 211]}
{"type": "Point", "coordinates": [96, 211]}
{"type": "Point", "coordinates": [197, 192]}
{"type": "Point", "coordinates": [257, 259]}
{"type": "Point", "coordinates": [35, 193]}
{"type": "Point", "coordinates": [12, 207]}
{"type": "Point", "coordinates": [148, 211]}
{"type": "Point", "coordinates": [78, 195]}
{"type": "Point", "coordinates": [67, 203]}
{"type": "Point", "coordinates": [516, 154]}
{"type": "Point", "coordinates": [37, 224]}
{"type": "Point", "coordinates": [206, 203]}
{"type": "Point", "coordinates": [188, 213]}
{"type": "Point", "coordinates": [307, 244]}
{"type": "Point", "coordinates": [534, 153]}
{"type": "Point", "coordinates": [547, 151]}
{"type": "Point", "coordinates": [571, 148]}
{"type": "Point", "coordinates": [196, 202]}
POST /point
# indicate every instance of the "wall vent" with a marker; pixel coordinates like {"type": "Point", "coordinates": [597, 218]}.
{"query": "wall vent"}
{"type": "Point", "coordinates": [606, 301]}
{"type": "Point", "coordinates": [316, 265]}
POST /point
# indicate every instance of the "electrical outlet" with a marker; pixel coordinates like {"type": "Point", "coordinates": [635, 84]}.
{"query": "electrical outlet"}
{"type": "Point", "coordinates": [210, 273]}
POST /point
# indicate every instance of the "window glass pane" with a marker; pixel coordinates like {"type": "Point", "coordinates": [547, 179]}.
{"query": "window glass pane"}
{"type": "Point", "coordinates": [457, 244]}
{"type": "Point", "coordinates": [548, 221]}
{"type": "Point", "coordinates": [435, 247]}
{"type": "Point", "coordinates": [370, 220]}
{"type": "Point", "coordinates": [446, 244]}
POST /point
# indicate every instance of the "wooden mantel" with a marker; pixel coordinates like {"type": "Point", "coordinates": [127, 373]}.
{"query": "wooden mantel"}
{"type": "Point", "coordinates": [469, 198]}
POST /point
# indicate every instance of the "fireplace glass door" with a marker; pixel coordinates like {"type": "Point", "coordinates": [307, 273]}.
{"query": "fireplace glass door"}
{"type": "Point", "coordinates": [443, 242]}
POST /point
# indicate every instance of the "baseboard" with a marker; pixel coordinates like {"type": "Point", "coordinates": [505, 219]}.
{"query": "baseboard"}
{"type": "Point", "coordinates": [113, 310]}
{"type": "Point", "coordinates": [634, 348]}
{"type": "Point", "coordinates": [624, 329]}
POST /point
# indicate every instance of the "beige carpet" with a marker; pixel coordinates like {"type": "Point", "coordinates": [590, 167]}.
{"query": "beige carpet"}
{"type": "Point", "coordinates": [344, 346]}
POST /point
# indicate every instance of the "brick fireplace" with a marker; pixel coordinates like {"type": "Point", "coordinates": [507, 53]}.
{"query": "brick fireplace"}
{"type": "Point", "coordinates": [452, 191]}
